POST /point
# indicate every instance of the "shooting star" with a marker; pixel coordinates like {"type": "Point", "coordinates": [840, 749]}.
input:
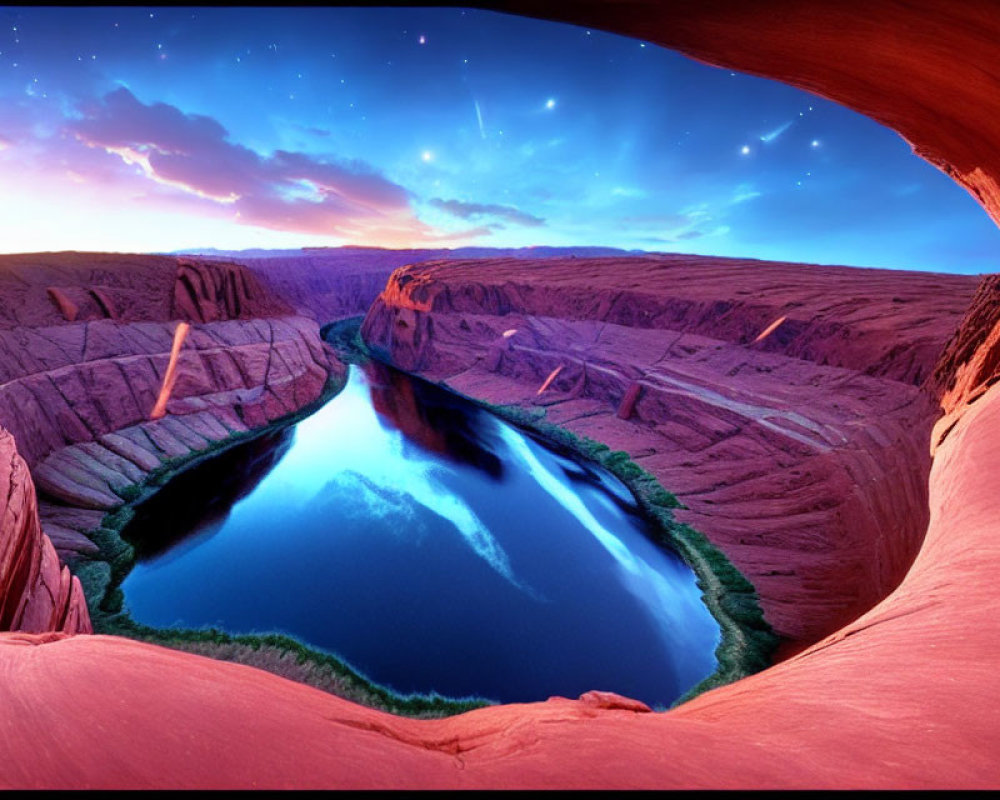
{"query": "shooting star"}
{"type": "Point", "coordinates": [479, 117]}
{"type": "Point", "coordinates": [770, 137]}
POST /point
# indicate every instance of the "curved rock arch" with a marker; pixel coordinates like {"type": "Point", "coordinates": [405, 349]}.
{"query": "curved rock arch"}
{"type": "Point", "coordinates": [905, 696]}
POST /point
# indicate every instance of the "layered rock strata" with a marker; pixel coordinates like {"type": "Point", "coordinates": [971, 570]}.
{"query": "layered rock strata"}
{"type": "Point", "coordinates": [780, 403]}
{"type": "Point", "coordinates": [331, 283]}
{"type": "Point", "coordinates": [84, 346]}
{"type": "Point", "coordinates": [37, 593]}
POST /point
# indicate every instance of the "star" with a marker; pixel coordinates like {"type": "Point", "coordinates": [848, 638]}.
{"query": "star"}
{"type": "Point", "coordinates": [815, 143]}
{"type": "Point", "coordinates": [423, 39]}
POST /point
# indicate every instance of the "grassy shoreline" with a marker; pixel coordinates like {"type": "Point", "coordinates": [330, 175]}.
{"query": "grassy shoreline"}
{"type": "Point", "coordinates": [746, 645]}
{"type": "Point", "coordinates": [281, 654]}
{"type": "Point", "coordinates": [748, 642]}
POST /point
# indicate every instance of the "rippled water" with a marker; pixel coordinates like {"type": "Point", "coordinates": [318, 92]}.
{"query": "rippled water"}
{"type": "Point", "coordinates": [430, 545]}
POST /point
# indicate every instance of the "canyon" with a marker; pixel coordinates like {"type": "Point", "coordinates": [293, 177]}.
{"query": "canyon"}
{"type": "Point", "coordinates": [801, 449]}
{"type": "Point", "coordinates": [834, 431]}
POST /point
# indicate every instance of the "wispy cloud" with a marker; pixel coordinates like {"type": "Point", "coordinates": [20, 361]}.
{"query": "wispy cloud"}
{"type": "Point", "coordinates": [471, 210]}
{"type": "Point", "coordinates": [629, 191]}
{"type": "Point", "coordinates": [689, 223]}
{"type": "Point", "coordinates": [283, 191]}
{"type": "Point", "coordinates": [744, 192]}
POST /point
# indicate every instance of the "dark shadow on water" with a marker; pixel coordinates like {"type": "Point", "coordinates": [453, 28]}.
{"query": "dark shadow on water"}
{"type": "Point", "coordinates": [429, 545]}
{"type": "Point", "coordinates": [209, 491]}
{"type": "Point", "coordinates": [432, 418]}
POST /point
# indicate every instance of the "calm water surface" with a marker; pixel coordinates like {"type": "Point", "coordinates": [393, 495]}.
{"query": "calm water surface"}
{"type": "Point", "coordinates": [431, 546]}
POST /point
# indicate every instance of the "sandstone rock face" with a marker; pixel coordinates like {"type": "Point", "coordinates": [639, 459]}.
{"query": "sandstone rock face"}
{"type": "Point", "coordinates": [78, 381]}
{"type": "Point", "coordinates": [36, 593]}
{"type": "Point", "coordinates": [85, 341]}
{"type": "Point", "coordinates": [971, 361]}
{"type": "Point", "coordinates": [206, 292]}
{"type": "Point", "coordinates": [332, 283]}
{"type": "Point", "coordinates": [799, 448]}
{"type": "Point", "coordinates": [42, 289]}
{"type": "Point", "coordinates": [921, 67]}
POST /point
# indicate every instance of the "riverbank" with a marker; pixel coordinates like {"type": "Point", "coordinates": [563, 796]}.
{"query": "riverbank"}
{"type": "Point", "coordinates": [283, 655]}
{"type": "Point", "coordinates": [746, 641]}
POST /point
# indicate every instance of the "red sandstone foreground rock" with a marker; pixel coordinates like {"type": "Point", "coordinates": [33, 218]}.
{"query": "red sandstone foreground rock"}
{"type": "Point", "coordinates": [781, 403]}
{"type": "Point", "coordinates": [36, 593]}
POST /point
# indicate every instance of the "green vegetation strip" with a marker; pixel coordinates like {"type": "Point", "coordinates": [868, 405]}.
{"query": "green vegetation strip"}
{"type": "Point", "coordinates": [290, 658]}
{"type": "Point", "coordinates": [748, 642]}
{"type": "Point", "coordinates": [283, 655]}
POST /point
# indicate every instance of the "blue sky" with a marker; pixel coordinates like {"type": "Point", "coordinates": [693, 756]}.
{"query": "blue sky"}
{"type": "Point", "coordinates": [153, 129]}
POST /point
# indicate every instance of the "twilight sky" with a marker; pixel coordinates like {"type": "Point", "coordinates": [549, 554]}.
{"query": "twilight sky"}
{"type": "Point", "coordinates": [131, 129]}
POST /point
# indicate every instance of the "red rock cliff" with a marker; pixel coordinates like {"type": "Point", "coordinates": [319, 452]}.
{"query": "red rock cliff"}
{"type": "Point", "coordinates": [780, 402]}
{"type": "Point", "coordinates": [84, 345]}
{"type": "Point", "coordinates": [970, 364]}
{"type": "Point", "coordinates": [36, 593]}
